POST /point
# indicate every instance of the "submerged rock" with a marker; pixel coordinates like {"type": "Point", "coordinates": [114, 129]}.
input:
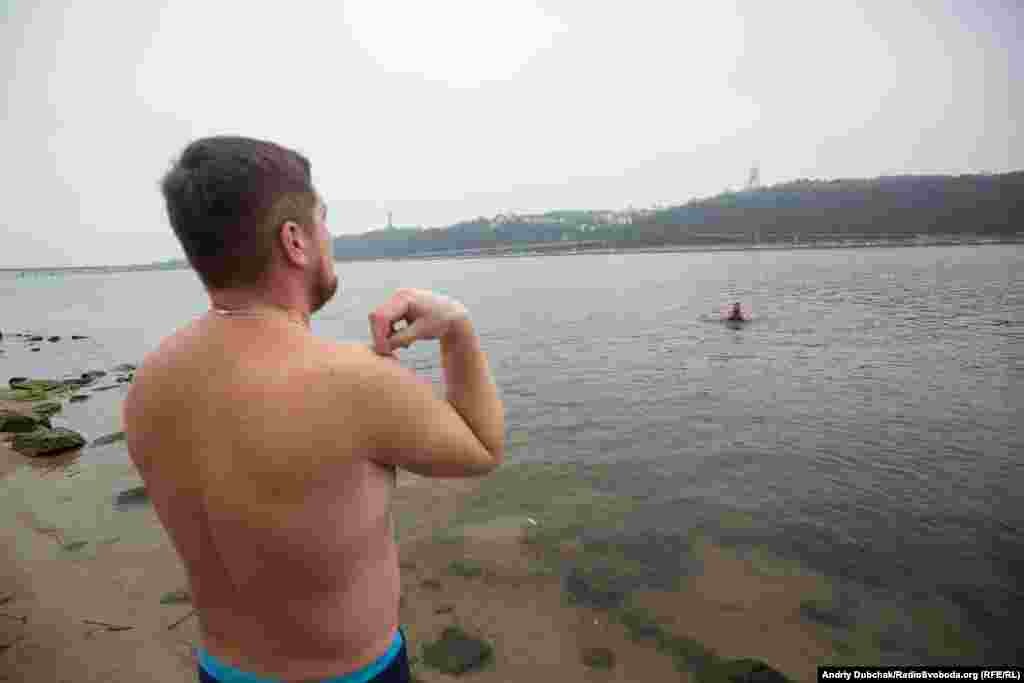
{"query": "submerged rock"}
{"type": "Point", "coordinates": [108, 439]}
{"type": "Point", "coordinates": [824, 613]}
{"type": "Point", "coordinates": [457, 652]}
{"type": "Point", "coordinates": [11, 421]}
{"type": "Point", "coordinates": [46, 408]}
{"type": "Point", "coordinates": [35, 338]}
{"type": "Point", "coordinates": [78, 398]}
{"type": "Point", "coordinates": [175, 597]}
{"type": "Point", "coordinates": [465, 568]}
{"type": "Point", "coordinates": [599, 658]}
{"type": "Point", "coordinates": [34, 348]}
{"type": "Point", "coordinates": [47, 441]}
{"type": "Point", "coordinates": [54, 338]}
{"type": "Point", "coordinates": [107, 387]}
{"type": "Point", "coordinates": [748, 671]}
{"type": "Point", "coordinates": [124, 367]}
{"type": "Point", "coordinates": [79, 336]}
{"type": "Point", "coordinates": [16, 380]}
{"type": "Point", "coordinates": [93, 374]}
{"type": "Point", "coordinates": [594, 586]}
{"type": "Point", "coordinates": [134, 495]}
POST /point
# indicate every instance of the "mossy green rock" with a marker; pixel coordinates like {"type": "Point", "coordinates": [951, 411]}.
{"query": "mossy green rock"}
{"type": "Point", "coordinates": [47, 441]}
{"type": "Point", "coordinates": [34, 389]}
{"type": "Point", "coordinates": [175, 597]}
{"type": "Point", "coordinates": [39, 385]}
{"type": "Point", "coordinates": [46, 408]}
{"type": "Point", "coordinates": [11, 421]}
{"type": "Point", "coordinates": [466, 568]}
{"type": "Point", "coordinates": [457, 652]}
{"type": "Point", "coordinates": [599, 658]}
{"type": "Point", "coordinates": [132, 496]}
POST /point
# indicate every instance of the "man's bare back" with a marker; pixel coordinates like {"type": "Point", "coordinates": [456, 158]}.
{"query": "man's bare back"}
{"type": "Point", "coordinates": [270, 454]}
{"type": "Point", "coordinates": [293, 569]}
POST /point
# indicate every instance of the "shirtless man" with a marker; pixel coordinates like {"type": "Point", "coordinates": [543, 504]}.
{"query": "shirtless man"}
{"type": "Point", "coordinates": [270, 454]}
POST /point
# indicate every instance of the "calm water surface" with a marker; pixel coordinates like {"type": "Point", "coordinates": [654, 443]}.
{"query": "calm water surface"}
{"type": "Point", "coordinates": [867, 419]}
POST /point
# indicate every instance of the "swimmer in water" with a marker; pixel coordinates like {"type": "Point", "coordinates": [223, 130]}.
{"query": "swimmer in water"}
{"type": "Point", "coordinates": [737, 314]}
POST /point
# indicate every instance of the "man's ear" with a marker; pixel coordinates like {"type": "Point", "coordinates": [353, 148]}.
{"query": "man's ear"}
{"type": "Point", "coordinates": [294, 242]}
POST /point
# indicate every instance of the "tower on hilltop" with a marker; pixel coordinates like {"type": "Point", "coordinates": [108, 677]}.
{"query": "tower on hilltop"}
{"type": "Point", "coordinates": [755, 177]}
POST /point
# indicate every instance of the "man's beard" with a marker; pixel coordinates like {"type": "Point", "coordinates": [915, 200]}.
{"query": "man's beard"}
{"type": "Point", "coordinates": [325, 291]}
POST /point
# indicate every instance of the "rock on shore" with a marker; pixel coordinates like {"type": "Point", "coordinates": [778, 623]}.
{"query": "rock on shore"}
{"type": "Point", "coordinates": [46, 408]}
{"type": "Point", "coordinates": [20, 423]}
{"type": "Point", "coordinates": [46, 441]}
{"type": "Point", "coordinates": [108, 439]}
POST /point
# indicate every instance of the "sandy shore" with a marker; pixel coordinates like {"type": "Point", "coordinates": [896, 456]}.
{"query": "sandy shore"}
{"type": "Point", "coordinates": [92, 611]}
{"type": "Point", "coordinates": [83, 585]}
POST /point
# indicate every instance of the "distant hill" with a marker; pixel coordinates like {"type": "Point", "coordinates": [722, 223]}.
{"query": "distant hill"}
{"type": "Point", "coordinates": [895, 208]}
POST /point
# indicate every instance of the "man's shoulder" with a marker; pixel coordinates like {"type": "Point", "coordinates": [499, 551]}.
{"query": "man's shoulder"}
{"type": "Point", "coordinates": [361, 368]}
{"type": "Point", "coordinates": [343, 357]}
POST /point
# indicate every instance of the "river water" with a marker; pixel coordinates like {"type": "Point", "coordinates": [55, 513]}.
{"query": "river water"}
{"type": "Point", "coordinates": [866, 422]}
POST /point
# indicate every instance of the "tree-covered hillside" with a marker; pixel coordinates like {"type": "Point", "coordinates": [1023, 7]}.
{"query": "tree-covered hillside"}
{"type": "Point", "coordinates": [804, 210]}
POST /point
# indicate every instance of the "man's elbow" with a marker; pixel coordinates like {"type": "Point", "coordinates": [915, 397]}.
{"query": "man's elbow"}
{"type": "Point", "coordinates": [489, 460]}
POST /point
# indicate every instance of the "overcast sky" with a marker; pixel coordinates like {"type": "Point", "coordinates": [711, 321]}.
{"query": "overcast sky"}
{"type": "Point", "coordinates": [442, 110]}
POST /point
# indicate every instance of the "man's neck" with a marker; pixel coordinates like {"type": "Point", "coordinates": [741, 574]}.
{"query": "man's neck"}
{"type": "Point", "coordinates": [249, 306]}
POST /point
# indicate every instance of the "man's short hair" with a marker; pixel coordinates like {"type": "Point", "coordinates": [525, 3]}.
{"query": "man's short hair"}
{"type": "Point", "coordinates": [226, 199]}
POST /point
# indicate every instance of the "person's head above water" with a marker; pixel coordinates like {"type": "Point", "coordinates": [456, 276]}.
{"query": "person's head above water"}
{"type": "Point", "coordinates": [251, 224]}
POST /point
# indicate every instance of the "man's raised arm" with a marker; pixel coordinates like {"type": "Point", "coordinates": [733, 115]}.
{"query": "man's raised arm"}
{"type": "Point", "coordinates": [405, 423]}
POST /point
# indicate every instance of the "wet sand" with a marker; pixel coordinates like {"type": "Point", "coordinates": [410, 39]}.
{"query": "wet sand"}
{"type": "Point", "coordinates": [94, 613]}
{"type": "Point", "coordinates": [82, 582]}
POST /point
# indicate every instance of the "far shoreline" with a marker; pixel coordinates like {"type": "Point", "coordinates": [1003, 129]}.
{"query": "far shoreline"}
{"type": "Point", "coordinates": [577, 248]}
